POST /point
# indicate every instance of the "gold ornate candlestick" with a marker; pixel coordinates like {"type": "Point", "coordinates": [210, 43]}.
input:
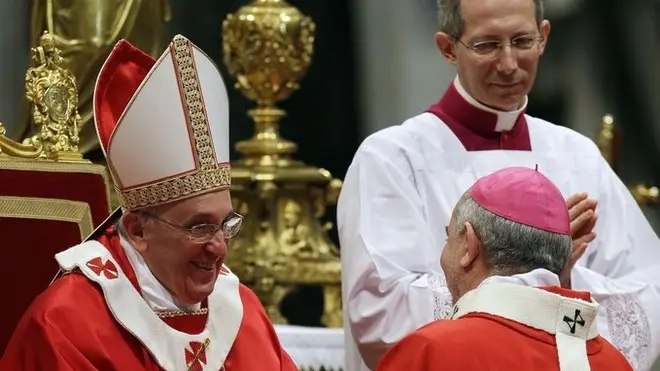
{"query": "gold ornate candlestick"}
{"type": "Point", "coordinates": [267, 47]}
{"type": "Point", "coordinates": [608, 143]}
{"type": "Point", "coordinates": [607, 140]}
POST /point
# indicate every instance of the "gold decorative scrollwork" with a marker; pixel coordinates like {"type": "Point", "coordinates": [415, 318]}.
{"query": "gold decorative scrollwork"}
{"type": "Point", "coordinates": [268, 48]}
{"type": "Point", "coordinates": [52, 92]}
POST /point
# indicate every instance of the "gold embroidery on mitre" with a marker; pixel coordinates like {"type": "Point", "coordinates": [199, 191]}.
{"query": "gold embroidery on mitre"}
{"type": "Point", "coordinates": [209, 174]}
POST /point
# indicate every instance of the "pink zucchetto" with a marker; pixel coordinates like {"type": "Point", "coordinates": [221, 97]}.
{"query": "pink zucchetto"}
{"type": "Point", "coordinates": [524, 196]}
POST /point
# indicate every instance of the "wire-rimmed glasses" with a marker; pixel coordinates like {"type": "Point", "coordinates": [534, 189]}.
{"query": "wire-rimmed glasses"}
{"type": "Point", "coordinates": [491, 48]}
{"type": "Point", "coordinates": [203, 233]}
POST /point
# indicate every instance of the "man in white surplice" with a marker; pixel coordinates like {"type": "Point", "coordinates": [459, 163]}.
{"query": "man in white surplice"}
{"type": "Point", "coordinates": [399, 192]}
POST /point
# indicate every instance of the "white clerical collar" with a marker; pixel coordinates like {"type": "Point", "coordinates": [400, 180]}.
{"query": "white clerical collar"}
{"type": "Point", "coordinates": [153, 292]}
{"type": "Point", "coordinates": [505, 119]}
{"type": "Point", "coordinates": [535, 278]}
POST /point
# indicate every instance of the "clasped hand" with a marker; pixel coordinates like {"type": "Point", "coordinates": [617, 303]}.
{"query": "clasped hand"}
{"type": "Point", "coordinates": [582, 212]}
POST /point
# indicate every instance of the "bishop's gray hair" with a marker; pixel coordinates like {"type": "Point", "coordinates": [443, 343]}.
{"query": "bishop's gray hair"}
{"type": "Point", "coordinates": [510, 247]}
{"type": "Point", "coordinates": [450, 20]}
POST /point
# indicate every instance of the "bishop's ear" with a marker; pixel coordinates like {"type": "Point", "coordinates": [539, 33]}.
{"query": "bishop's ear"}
{"type": "Point", "coordinates": [445, 44]}
{"type": "Point", "coordinates": [472, 247]}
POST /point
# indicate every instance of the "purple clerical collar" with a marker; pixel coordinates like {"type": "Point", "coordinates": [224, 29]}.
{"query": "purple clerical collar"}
{"type": "Point", "coordinates": [481, 128]}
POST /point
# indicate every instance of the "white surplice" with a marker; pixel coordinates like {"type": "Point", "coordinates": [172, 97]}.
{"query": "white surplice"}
{"type": "Point", "coordinates": [398, 196]}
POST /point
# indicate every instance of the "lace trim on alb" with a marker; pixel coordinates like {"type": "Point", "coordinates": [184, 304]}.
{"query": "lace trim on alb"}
{"type": "Point", "coordinates": [629, 329]}
{"type": "Point", "coordinates": [443, 303]}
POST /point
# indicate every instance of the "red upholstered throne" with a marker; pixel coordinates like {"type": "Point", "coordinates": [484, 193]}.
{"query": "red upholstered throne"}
{"type": "Point", "coordinates": [50, 197]}
{"type": "Point", "coordinates": [45, 207]}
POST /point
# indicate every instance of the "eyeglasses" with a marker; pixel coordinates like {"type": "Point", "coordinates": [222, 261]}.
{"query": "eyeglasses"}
{"type": "Point", "coordinates": [203, 233]}
{"type": "Point", "coordinates": [490, 48]}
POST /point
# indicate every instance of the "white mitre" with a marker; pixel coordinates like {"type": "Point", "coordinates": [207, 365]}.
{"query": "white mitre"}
{"type": "Point", "coordinates": [163, 124]}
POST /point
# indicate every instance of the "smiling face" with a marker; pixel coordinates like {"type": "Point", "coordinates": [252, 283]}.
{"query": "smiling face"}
{"type": "Point", "coordinates": [186, 268]}
{"type": "Point", "coordinates": [502, 79]}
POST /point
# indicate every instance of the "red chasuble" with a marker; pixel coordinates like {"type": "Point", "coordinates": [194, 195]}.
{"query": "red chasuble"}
{"type": "Point", "coordinates": [486, 342]}
{"type": "Point", "coordinates": [71, 326]}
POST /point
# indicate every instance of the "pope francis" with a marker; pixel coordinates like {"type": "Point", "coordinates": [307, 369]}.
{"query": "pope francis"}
{"type": "Point", "coordinates": [151, 292]}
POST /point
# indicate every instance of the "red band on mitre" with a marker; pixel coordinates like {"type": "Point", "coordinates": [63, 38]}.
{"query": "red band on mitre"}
{"type": "Point", "coordinates": [119, 79]}
{"type": "Point", "coordinates": [523, 196]}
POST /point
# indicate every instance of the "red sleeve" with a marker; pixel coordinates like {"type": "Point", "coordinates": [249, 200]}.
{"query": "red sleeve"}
{"type": "Point", "coordinates": [286, 363]}
{"type": "Point", "coordinates": [412, 353]}
{"type": "Point", "coordinates": [38, 345]}
{"type": "Point", "coordinates": [69, 328]}
{"type": "Point", "coordinates": [257, 334]}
